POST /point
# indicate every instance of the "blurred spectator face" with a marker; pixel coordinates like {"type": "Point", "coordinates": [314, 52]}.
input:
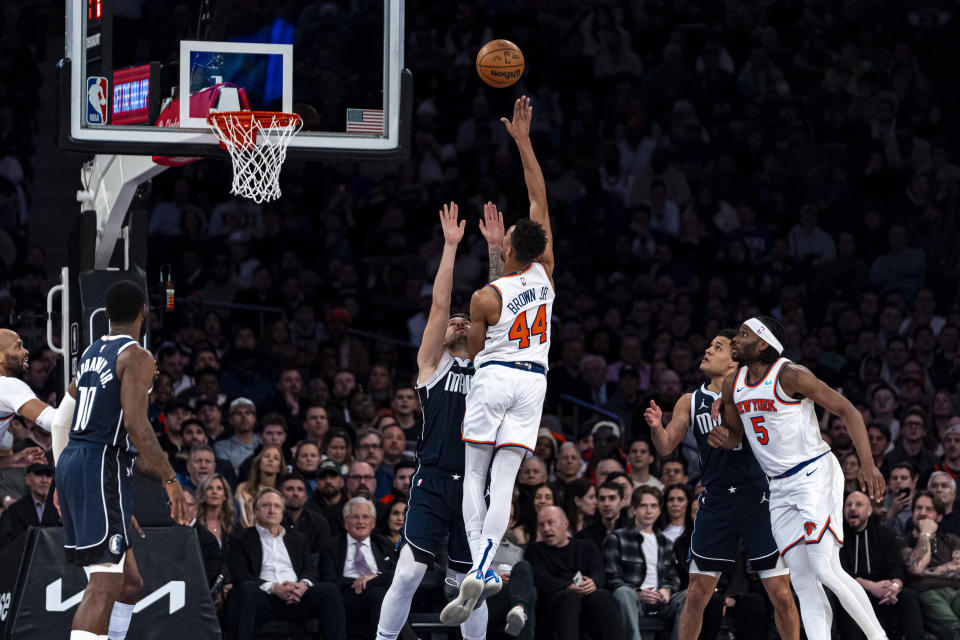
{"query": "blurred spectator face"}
{"type": "Point", "coordinates": [191, 504]}
{"type": "Point", "coordinates": [318, 391]}
{"type": "Point", "coordinates": [308, 457]}
{"type": "Point", "coordinates": [207, 385]}
{"type": "Point", "coordinates": [912, 391]}
{"type": "Point", "coordinates": [838, 433]}
{"type": "Point", "coordinates": [245, 339]}
{"type": "Point", "coordinates": [210, 415]}
{"type": "Point", "coordinates": [639, 456]}
{"type": "Point", "coordinates": [568, 461]}
{"type": "Point", "coordinates": [913, 428]}
{"type": "Point", "coordinates": [269, 510]}
{"type": "Point", "coordinates": [668, 386]}
{"type": "Point", "coordinates": [193, 434]}
{"type": "Point", "coordinates": [857, 510]}
{"type": "Point", "coordinates": [884, 402]}
{"type": "Point", "coordinates": [370, 450]}
{"type": "Point", "coordinates": [878, 441]}
{"type": "Point", "coordinates": [294, 494]}
{"type": "Point", "coordinates": [897, 353]}
{"type": "Point", "coordinates": [532, 472]}
{"type": "Point", "coordinates": [316, 423]}
{"type": "Point", "coordinates": [162, 390]}
{"type": "Point", "coordinates": [337, 449]}
{"type": "Point", "coordinates": [243, 419]}
{"type": "Point", "coordinates": [172, 365]}
{"type": "Point", "coordinates": [553, 527]}
{"type": "Point", "coordinates": [39, 483]}
{"type": "Point", "coordinates": [270, 461]}
{"type": "Point", "coordinates": [593, 371]}
{"type": "Point", "coordinates": [273, 435]}
{"type": "Point", "coordinates": [628, 384]}
{"type": "Point", "coordinates": [330, 486]}
{"type": "Point", "coordinates": [948, 339]}
{"type": "Point", "coordinates": [944, 487]}
{"type": "Point", "coordinates": [677, 504]}
{"type": "Point", "coordinates": [291, 382]}
{"type": "Point", "coordinates": [361, 480]}
{"type": "Point", "coordinates": [900, 479]}
{"type": "Point", "coordinates": [343, 384]}
{"type": "Point", "coordinates": [608, 503]}
{"type": "Point", "coordinates": [890, 319]}
{"type": "Point", "coordinates": [647, 512]}
{"type": "Point", "coordinates": [942, 404]}
{"type": "Point", "coordinates": [379, 379]}
{"type": "Point", "coordinates": [672, 473]}
{"type": "Point", "coordinates": [542, 498]}
{"type": "Point", "coordinates": [631, 350]}
{"type": "Point", "coordinates": [951, 447]}
{"type": "Point", "coordinates": [851, 466]}
{"type": "Point", "coordinates": [924, 510]}
{"type": "Point", "coordinates": [605, 468]}
{"type": "Point", "coordinates": [205, 359]}
{"type": "Point", "coordinates": [396, 515]}
{"type": "Point", "coordinates": [404, 402]}
{"type": "Point", "coordinates": [174, 418]}
{"type": "Point", "coordinates": [215, 493]}
{"type": "Point", "coordinates": [401, 480]}
{"type": "Point", "coordinates": [544, 448]}
{"type": "Point", "coordinates": [200, 464]}
{"type": "Point", "coordinates": [394, 441]}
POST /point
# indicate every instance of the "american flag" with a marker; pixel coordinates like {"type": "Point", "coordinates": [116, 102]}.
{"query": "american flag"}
{"type": "Point", "coordinates": [365, 121]}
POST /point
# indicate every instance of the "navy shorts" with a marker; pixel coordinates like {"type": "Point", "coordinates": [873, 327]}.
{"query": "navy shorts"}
{"type": "Point", "coordinates": [95, 490]}
{"type": "Point", "coordinates": [726, 518]}
{"type": "Point", "coordinates": [434, 514]}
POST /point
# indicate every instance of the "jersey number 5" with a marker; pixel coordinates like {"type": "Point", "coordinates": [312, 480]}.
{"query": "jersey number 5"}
{"type": "Point", "coordinates": [520, 332]}
{"type": "Point", "coordinates": [762, 436]}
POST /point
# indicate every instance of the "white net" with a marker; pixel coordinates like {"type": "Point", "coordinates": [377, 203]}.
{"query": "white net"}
{"type": "Point", "coordinates": [256, 167]}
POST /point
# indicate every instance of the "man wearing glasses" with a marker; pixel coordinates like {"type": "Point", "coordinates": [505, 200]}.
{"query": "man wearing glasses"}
{"type": "Point", "coordinates": [370, 450]}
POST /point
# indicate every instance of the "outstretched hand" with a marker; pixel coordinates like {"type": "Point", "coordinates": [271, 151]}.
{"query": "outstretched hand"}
{"type": "Point", "coordinates": [653, 415]}
{"type": "Point", "coordinates": [452, 230]}
{"type": "Point", "coordinates": [519, 127]}
{"type": "Point", "coordinates": [871, 482]}
{"type": "Point", "coordinates": [491, 225]}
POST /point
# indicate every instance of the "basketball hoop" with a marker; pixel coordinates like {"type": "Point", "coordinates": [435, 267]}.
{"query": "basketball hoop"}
{"type": "Point", "coordinates": [256, 168]}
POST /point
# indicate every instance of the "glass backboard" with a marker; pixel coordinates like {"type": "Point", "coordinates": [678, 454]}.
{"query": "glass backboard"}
{"type": "Point", "coordinates": [139, 77]}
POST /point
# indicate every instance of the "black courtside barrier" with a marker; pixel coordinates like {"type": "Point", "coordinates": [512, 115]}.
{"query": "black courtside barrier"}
{"type": "Point", "coordinates": [39, 592]}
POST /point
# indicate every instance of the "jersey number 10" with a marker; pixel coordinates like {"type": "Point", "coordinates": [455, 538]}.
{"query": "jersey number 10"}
{"type": "Point", "coordinates": [520, 332]}
{"type": "Point", "coordinates": [84, 406]}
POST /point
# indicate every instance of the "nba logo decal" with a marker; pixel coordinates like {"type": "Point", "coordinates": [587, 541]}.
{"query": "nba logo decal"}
{"type": "Point", "coordinates": [809, 527]}
{"type": "Point", "coordinates": [97, 100]}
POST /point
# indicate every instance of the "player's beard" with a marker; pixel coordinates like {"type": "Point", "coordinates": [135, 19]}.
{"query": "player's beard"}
{"type": "Point", "coordinates": [458, 344]}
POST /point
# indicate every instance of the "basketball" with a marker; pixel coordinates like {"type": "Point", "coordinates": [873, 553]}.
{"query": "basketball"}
{"type": "Point", "coordinates": [500, 63]}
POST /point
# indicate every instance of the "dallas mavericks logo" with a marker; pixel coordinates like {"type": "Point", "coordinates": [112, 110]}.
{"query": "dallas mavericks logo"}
{"type": "Point", "coordinates": [114, 543]}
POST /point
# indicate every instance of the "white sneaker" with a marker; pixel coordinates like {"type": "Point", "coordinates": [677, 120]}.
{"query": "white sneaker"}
{"type": "Point", "coordinates": [491, 586]}
{"type": "Point", "coordinates": [516, 618]}
{"type": "Point", "coordinates": [459, 609]}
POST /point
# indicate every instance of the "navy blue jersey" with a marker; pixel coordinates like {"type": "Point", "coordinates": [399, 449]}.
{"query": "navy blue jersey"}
{"type": "Point", "coordinates": [98, 417]}
{"type": "Point", "coordinates": [443, 399]}
{"type": "Point", "coordinates": [721, 467]}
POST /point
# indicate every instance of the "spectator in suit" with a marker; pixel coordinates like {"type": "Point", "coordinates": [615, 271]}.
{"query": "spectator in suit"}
{"type": "Point", "coordinates": [274, 579]}
{"type": "Point", "coordinates": [628, 552]}
{"type": "Point", "coordinates": [871, 554]}
{"type": "Point", "coordinates": [563, 601]}
{"type": "Point", "coordinates": [297, 518]}
{"type": "Point", "coordinates": [328, 499]}
{"type": "Point", "coordinates": [360, 564]}
{"type": "Point", "coordinates": [31, 509]}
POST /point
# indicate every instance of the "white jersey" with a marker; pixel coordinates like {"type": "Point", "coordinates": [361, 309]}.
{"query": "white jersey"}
{"type": "Point", "coordinates": [14, 393]}
{"type": "Point", "coordinates": [782, 432]}
{"type": "Point", "coordinates": [523, 332]}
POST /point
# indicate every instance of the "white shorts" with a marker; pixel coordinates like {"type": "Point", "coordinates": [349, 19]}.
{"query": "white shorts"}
{"type": "Point", "coordinates": [504, 407]}
{"type": "Point", "coordinates": [808, 505]}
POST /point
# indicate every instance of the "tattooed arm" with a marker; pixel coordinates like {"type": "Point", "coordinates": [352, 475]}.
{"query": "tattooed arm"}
{"type": "Point", "coordinates": [947, 569]}
{"type": "Point", "coordinates": [491, 226]}
{"type": "Point", "coordinates": [916, 560]}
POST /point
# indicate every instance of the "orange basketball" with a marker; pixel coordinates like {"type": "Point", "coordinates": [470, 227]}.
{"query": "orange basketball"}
{"type": "Point", "coordinates": [500, 63]}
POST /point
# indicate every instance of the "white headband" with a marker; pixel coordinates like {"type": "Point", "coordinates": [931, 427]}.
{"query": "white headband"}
{"type": "Point", "coordinates": [764, 333]}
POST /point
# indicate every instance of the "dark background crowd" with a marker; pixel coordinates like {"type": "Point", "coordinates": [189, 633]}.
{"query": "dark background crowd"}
{"type": "Point", "coordinates": [705, 162]}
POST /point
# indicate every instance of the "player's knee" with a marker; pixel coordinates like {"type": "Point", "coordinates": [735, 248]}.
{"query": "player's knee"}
{"type": "Point", "coordinates": [699, 591]}
{"type": "Point", "coordinates": [779, 591]}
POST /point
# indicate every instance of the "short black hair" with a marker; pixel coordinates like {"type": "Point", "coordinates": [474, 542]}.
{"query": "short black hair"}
{"type": "Point", "coordinates": [460, 314]}
{"type": "Point", "coordinates": [681, 460]}
{"type": "Point", "coordinates": [727, 333]}
{"type": "Point", "coordinates": [529, 240]}
{"type": "Point", "coordinates": [610, 485]}
{"type": "Point", "coordinates": [124, 301]}
{"type": "Point", "coordinates": [909, 466]}
{"type": "Point", "coordinates": [770, 354]}
{"type": "Point", "coordinates": [293, 475]}
{"type": "Point", "coordinates": [406, 462]}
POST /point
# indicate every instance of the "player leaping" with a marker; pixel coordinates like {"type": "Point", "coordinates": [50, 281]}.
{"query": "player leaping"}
{"type": "Point", "coordinates": [434, 511]}
{"type": "Point", "coordinates": [772, 399]}
{"type": "Point", "coordinates": [733, 507]}
{"type": "Point", "coordinates": [510, 340]}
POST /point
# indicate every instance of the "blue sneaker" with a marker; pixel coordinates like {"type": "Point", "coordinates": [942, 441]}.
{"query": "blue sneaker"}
{"type": "Point", "coordinates": [459, 609]}
{"type": "Point", "coordinates": [491, 585]}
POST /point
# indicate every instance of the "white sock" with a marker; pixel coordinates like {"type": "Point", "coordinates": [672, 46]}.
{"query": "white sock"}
{"type": "Point", "coordinates": [395, 607]}
{"type": "Point", "coordinates": [824, 559]}
{"type": "Point", "coordinates": [476, 464]}
{"type": "Point", "coordinates": [120, 621]}
{"type": "Point", "coordinates": [475, 628]}
{"type": "Point", "coordinates": [814, 607]}
{"type": "Point", "coordinates": [503, 474]}
{"type": "Point", "coordinates": [76, 634]}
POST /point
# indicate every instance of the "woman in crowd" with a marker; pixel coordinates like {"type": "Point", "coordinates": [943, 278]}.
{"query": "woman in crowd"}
{"type": "Point", "coordinates": [380, 386]}
{"type": "Point", "coordinates": [546, 449]}
{"type": "Point", "coordinates": [306, 460]}
{"type": "Point", "coordinates": [580, 504]}
{"type": "Point", "coordinates": [391, 520]}
{"type": "Point", "coordinates": [215, 510]}
{"type": "Point", "coordinates": [675, 511]}
{"type": "Point", "coordinates": [264, 470]}
{"type": "Point", "coordinates": [338, 447]}
{"type": "Point", "coordinates": [529, 501]}
{"type": "Point", "coordinates": [850, 464]}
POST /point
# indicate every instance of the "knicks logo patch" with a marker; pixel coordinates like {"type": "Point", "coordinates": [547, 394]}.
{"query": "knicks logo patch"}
{"type": "Point", "coordinates": [809, 527]}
